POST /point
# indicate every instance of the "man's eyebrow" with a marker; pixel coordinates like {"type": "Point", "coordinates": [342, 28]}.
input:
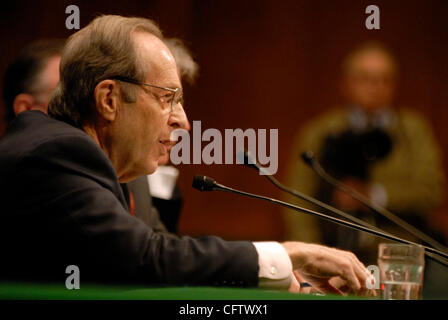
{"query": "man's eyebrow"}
{"type": "Point", "coordinates": [172, 85]}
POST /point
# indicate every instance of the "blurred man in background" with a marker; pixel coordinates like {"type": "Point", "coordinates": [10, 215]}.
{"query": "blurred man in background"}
{"type": "Point", "coordinates": [386, 153]}
{"type": "Point", "coordinates": [31, 77]}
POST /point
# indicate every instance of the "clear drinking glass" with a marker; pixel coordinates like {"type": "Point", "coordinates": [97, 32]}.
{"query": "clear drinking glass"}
{"type": "Point", "coordinates": [401, 271]}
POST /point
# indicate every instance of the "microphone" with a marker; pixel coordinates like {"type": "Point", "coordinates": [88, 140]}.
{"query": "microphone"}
{"type": "Point", "coordinates": [203, 183]}
{"type": "Point", "coordinates": [246, 158]}
{"type": "Point", "coordinates": [309, 159]}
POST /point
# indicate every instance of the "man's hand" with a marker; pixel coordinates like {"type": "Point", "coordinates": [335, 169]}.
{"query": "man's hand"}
{"type": "Point", "coordinates": [296, 284]}
{"type": "Point", "coordinates": [319, 264]}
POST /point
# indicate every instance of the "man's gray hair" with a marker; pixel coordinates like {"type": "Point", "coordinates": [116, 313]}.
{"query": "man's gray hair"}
{"type": "Point", "coordinates": [102, 50]}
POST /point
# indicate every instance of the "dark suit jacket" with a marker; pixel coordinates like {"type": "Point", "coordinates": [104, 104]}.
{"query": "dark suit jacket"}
{"type": "Point", "coordinates": [144, 208]}
{"type": "Point", "coordinates": [61, 204]}
{"type": "Point", "coordinates": [169, 209]}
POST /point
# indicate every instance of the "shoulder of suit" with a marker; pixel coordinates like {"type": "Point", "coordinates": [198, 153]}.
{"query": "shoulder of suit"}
{"type": "Point", "coordinates": [34, 131]}
{"type": "Point", "coordinates": [34, 128]}
{"type": "Point", "coordinates": [331, 121]}
{"type": "Point", "coordinates": [332, 117]}
{"type": "Point", "coordinates": [412, 119]}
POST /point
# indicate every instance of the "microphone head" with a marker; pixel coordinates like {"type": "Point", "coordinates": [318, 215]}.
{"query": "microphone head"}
{"type": "Point", "coordinates": [244, 157]}
{"type": "Point", "coordinates": [308, 157]}
{"type": "Point", "coordinates": [203, 183]}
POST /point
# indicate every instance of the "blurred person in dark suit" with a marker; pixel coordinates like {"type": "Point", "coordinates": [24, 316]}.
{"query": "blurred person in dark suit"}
{"type": "Point", "coordinates": [388, 154]}
{"type": "Point", "coordinates": [118, 100]}
{"type": "Point", "coordinates": [31, 77]}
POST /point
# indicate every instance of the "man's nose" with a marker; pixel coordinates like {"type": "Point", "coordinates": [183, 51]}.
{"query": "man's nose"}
{"type": "Point", "coordinates": [178, 119]}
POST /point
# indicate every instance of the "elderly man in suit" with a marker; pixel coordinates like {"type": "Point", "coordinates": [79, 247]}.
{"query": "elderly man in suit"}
{"type": "Point", "coordinates": [28, 83]}
{"type": "Point", "coordinates": [118, 100]}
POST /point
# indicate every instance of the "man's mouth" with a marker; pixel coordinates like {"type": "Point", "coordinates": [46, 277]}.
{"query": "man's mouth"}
{"type": "Point", "coordinates": [168, 144]}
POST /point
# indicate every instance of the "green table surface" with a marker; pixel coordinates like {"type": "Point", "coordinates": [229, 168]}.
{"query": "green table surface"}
{"type": "Point", "coordinates": [96, 292]}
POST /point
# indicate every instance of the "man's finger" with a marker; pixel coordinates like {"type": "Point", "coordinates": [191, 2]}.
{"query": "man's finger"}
{"type": "Point", "coordinates": [327, 287]}
{"type": "Point", "coordinates": [348, 274]}
{"type": "Point", "coordinates": [358, 268]}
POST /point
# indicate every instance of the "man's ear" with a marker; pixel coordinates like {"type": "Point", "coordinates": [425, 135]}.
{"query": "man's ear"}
{"type": "Point", "coordinates": [107, 95]}
{"type": "Point", "coordinates": [23, 102]}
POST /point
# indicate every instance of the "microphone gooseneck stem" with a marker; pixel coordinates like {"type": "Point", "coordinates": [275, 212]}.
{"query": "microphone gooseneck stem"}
{"type": "Point", "coordinates": [320, 204]}
{"type": "Point", "coordinates": [431, 252]}
{"type": "Point", "coordinates": [307, 198]}
{"type": "Point", "coordinates": [376, 208]}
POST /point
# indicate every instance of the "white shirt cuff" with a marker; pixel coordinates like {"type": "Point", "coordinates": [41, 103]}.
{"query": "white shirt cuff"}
{"type": "Point", "coordinates": [275, 267]}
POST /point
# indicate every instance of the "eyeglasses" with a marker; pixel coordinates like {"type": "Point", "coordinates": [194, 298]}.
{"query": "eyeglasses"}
{"type": "Point", "coordinates": [176, 98]}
